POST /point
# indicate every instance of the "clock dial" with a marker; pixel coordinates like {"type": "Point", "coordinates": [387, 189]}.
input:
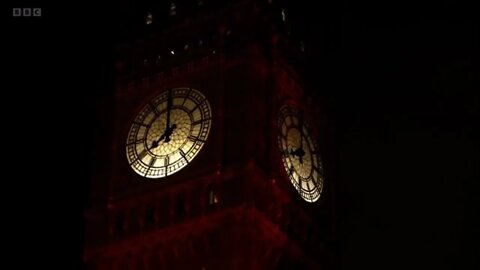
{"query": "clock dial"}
{"type": "Point", "coordinates": [300, 155]}
{"type": "Point", "coordinates": [169, 132]}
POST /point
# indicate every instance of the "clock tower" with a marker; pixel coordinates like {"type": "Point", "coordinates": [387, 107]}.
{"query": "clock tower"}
{"type": "Point", "coordinates": [214, 150]}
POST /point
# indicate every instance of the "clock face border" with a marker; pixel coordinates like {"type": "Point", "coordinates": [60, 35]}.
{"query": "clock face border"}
{"type": "Point", "coordinates": [300, 153]}
{"type": "Point", "coordinates": [148, 152]}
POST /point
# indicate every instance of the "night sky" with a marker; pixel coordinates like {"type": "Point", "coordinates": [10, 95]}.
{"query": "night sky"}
{"type": "Point", "coordinates": [405, 109]}
{"type": "Point", "coordinates": [400, 80]}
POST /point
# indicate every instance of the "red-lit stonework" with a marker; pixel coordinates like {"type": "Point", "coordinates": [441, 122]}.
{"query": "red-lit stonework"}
{"type": "Point", "coordinates": [233, 206]}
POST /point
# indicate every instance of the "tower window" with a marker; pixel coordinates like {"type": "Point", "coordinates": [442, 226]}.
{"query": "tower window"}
{"type": "Point", "coordinates": [212, 196]}
{"type": "Point", "coordinates": [149, 19]}
{"type": "Point", "coordinates": [302, 46]}
{"type": "Point", "coordinates": [173, 9]}
{"type": "Point", "coordinates": [284, 15]}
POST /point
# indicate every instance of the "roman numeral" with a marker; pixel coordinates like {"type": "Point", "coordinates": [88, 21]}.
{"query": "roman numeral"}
{"type": "Point", "coordinates": [150, 165]}
{"type": "Point", "coordinates": [135, 142]}
{"type": "Point", "coordinates": [316, 169]}
{"type": "Point", "coordinates": [154, 109]}
{"type": "Point", "coordinates": [142, 154]}
{"type": "Point", "coordinates": [166, 161]}
{"type": "Point", "coordinates": [196, 106]}
{"type": "Point", "coordinates": [141, 124]}
{"type": "Point", "coordinates": [152, 161]}
{"type": "Point", "coordinates": [316, 183]}
{"type": "Point", "coordinates": [169, 99]}
{"type": "Point", "coordinates": [186, 97]}
{"type": "Point", "coordinates": [201, 121]}
{"type": "Point", "coordinates": [291, 171]}
{"type": "Point", "coordinates": [303, 194]}
{"type": "Point", "coordinates": [183, 155]}
{"type": "Point", "coordinates": [195, 139]}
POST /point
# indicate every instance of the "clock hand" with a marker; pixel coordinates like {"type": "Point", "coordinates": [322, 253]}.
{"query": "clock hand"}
{"type": "Point", "coordinates": [300, 151]}
{"type": "Point", "coordinates": [300, 157]}
{"type": "Point", "coordinates": [169, 132]}
{"type": "Point", "coordinates": [169, 108]}
{"type": "Point", "coordinates": [155, 142]}
{"type": "Point", "coordinates": [169, 128]}
{"type": "Point", "coordinates": [165, 136]}
{"type": "Point", "coordinates": [301, 129]}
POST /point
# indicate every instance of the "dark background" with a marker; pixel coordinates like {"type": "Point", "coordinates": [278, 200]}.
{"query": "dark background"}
{"type": "Point", "coordinates": [401, 79]}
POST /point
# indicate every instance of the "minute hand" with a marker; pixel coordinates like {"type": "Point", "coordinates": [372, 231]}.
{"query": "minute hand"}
{"type": "Point", "coordinates": [300, 123]}
{"type": "Point", "coordinates": [169, 108]}
{"type": "Point", "coordinates": [301, 152]}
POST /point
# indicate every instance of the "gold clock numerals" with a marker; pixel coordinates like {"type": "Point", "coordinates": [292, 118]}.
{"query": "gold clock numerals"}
{"type": "Point", "coordinates": [153, 109]}
{"type": "Point", "coordinates": [195, 139]}
{"type": "Point", "coordinates": [169, 132]}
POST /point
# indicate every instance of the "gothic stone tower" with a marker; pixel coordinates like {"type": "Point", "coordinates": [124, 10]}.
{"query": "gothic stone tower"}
{"type": "Point", "coordinates": [215, 155]}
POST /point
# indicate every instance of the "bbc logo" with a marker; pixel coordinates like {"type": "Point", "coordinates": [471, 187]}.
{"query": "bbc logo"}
{"type": "Point", "coordinates": [27, 12]}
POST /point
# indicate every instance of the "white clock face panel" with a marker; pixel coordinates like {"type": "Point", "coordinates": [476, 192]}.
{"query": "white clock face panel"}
{"type": "Point", "coordinates": [300, 154]}
{"type": "Point", "coordinates": [169, 132]}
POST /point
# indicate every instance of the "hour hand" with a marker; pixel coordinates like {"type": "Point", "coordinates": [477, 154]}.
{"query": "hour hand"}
{"type": "Point", "coordinates": [286, 152]}
{"type": "Point", "coordinates": [165, 136]}
{"type": "Point", "coordinates": [155, 143]}
{"type": "Point", "coordinates": [168, 133]}
{"type": "Point", "coordinates": [300, 125]}
{"type": "Point", "coordinates": [299, 153]}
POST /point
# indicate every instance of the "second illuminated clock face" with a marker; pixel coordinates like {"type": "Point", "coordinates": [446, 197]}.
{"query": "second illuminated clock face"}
{"type": "Point", "coordinates": [300, 154]}
{"type": "Point", "coordinates": [168, 133]}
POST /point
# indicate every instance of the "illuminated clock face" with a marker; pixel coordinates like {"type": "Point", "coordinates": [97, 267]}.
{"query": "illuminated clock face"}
{"type": "Point", "coordinates": [169, 132]}
{"type": "Point", "coordinates": [300, 154]}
